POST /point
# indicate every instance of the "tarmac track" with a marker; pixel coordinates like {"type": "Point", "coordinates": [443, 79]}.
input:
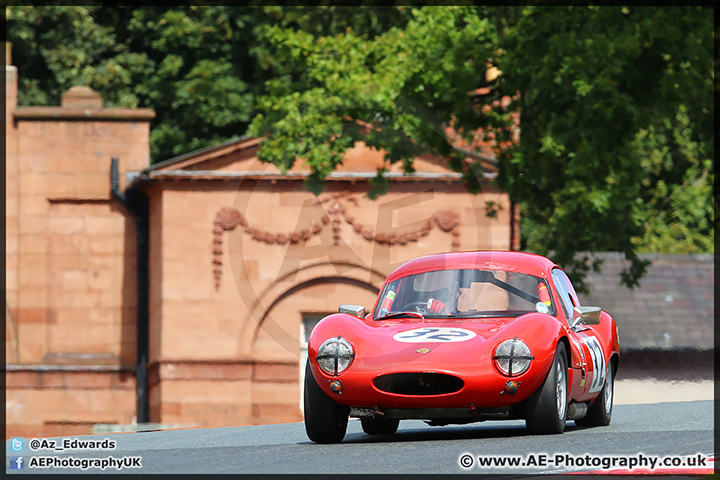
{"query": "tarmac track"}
{"type": "Point", "coordinates": [661, 429]}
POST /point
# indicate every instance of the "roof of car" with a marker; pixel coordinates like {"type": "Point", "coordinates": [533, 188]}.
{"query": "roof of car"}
{"type": "Point", "coordinates": [487, 259]}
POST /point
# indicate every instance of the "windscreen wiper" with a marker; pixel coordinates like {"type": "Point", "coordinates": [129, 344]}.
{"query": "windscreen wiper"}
{"type": "Point", "coordinates": [398, 314]}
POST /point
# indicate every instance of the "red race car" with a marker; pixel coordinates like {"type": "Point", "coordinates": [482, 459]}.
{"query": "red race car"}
{"type": "Point", "coordinates": [463, 337]}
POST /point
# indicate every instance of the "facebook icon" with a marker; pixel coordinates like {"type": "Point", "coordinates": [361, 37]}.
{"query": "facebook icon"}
{"type": "Point", "coordinates": [17, 462]}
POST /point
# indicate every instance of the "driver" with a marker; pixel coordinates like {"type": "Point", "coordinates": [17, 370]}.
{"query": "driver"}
{"type": "Point", "coordinates": [446, 303]}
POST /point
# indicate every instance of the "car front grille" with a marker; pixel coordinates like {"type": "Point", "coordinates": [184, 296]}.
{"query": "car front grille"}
{"type": "Point", "coordinates": [418, 383]}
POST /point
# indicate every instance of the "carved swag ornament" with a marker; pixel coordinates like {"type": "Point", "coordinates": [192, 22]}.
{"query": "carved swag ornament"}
{"type": "Point", "coordinates": [229, 218]}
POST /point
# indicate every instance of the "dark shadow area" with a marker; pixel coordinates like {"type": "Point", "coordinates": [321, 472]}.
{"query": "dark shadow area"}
{"type": "Point", "coordinates": [451, 432]}
{"type": "Point", "coordinates": [128, 336]}
{"type": "Point", "coordinates": [666, 365]}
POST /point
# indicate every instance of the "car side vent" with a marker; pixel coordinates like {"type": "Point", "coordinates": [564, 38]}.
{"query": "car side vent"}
{"type": "Point", "coordinates": [418, 383]}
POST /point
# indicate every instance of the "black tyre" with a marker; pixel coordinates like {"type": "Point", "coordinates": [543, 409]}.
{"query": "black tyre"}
{"type": "Point", "coordinates": [600, 413]}
{"type": "Point", "coordinates": [325, 420]}
{"type": "Point", "coordinates": [379, 426]}
{"type": "Point", "coordinates": [546, 409]}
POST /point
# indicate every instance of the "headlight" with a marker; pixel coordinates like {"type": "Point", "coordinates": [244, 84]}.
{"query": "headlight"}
{"type": "Point", "coordinates": [335, 355]}
{"type": "Point", "coordinates": [512, 357]}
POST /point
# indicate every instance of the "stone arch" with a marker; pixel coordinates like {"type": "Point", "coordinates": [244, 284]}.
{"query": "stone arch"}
{"type": "Point", "coordinates": [358, 280]}
{"type": "Point", "coordinates": [276, 388]}
{"type": "Point", "coordinates": [310, 283]}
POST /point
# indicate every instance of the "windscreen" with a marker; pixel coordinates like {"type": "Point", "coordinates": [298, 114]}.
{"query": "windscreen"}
{"type": "Point", "coordinates": [466, 293]}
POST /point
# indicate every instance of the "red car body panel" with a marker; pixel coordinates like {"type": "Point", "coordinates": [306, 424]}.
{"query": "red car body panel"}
{"type": "Point", "coordinates": [378, 353]}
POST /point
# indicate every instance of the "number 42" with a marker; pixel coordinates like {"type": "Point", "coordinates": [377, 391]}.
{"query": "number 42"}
{"type": "Point", "coordinates": [598, 360]}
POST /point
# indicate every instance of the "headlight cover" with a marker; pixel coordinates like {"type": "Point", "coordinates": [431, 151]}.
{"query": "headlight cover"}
{"type": "Point", "coordinates": [512, 357]}
{"type": "Point", "coordinates": [335, 355]}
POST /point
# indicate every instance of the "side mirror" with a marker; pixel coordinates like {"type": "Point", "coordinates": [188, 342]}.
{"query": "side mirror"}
{"type": "Point", "coordinates": [355, 310]}
{"type": "Point", "coordinates": [588, 316]}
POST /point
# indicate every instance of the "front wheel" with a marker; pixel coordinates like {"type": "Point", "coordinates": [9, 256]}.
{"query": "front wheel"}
{"type": "Point", "coordinates": [325, 419]}
{"type": "Point", "coordinates": [600, 413]}
{"type": "Point", "coordinates": [379, 426]}
{"type": "Point", "coordinates": [546, 409]}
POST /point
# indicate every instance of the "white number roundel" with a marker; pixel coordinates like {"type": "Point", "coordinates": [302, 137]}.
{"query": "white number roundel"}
{"type": "Point", "coordinates": [434, 334]}
{"type": "Point", "coordinates": [598, 361]}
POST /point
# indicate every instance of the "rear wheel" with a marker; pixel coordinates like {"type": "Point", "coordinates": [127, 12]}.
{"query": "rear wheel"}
{"type": "Point", "coordinates": [600, 413]}
{"type": "Point", "coordinates": [379, 426]}
{"type": "Point", "coordinates": [546, 409]}
{"type": "Point", "coordinates": [325, 419]}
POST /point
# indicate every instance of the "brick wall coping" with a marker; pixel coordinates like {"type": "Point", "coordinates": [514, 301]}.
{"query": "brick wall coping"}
{"type": "Point", "coordinates": [222, 370]}
{"type": "Point", "coordinates": [699, 257]}
{"type": "Point", "coordinates": [63, 113]}
{"type": "Point", "coordinates": [137, 177]}
{"type": "Point", "coordinates": [214, 361]}
{"type": "Point", "coordinates": [69, 368]}
{"type": "Point", "coordinates": [619, 256]}
{"type": "Point", "coordinates": [100, 428]}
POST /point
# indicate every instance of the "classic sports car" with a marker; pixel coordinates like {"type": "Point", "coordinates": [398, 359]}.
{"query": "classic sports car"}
{"type": "Point", "coordinates": [459, 338]}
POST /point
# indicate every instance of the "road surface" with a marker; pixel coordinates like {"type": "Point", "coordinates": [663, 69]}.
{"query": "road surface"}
{"type": "Point", "coordinates": [661, 429]}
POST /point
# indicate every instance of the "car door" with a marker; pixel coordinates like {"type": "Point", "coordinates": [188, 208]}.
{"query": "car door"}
{"type": "Point", "coordinates": [587, 357]}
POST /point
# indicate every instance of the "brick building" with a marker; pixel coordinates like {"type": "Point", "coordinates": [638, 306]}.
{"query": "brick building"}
{"type": "Point", "coordinates": [182, 293]}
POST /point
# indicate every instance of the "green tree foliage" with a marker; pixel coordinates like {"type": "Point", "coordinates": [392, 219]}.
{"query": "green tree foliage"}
{"type": "Point", "coordinates": [54, 49]}
{"type": "Point", "coordinates": [616, 115]}
{"type": "Point", "coordinates": [616, 103]}
{"type": "Point", "coordinates": [405, 82]}
{"type": "Point", "coordinates": [199, 68]}
{"type": "Point", "coordinates": [678, 216]}
{"type": "Point", "coordinates": [190, 64]}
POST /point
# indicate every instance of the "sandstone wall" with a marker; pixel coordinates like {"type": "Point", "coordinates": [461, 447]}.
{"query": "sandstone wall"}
{"type": "Point", "coordinates": [71, 286]}
{"type": "Point", "coordinates": [230, 287]}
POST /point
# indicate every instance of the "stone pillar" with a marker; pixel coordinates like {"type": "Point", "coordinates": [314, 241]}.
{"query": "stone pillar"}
{"type": "Point", "coordinates": [71, 257]}
{"type": "Point", "coordinates": [12, 190]}
{"type": "Point", "coordinates": [81, 97]}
